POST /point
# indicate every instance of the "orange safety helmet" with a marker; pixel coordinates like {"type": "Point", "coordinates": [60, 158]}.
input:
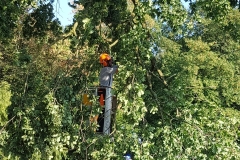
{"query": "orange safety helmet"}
{"type": "Point", "coordinates": [104, 57]}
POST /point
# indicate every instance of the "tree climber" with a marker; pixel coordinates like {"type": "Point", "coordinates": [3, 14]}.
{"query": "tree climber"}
{"type": "Point", "coordinates": [105, 81]}
{"type": "Point", "coordinates": [106, 73]}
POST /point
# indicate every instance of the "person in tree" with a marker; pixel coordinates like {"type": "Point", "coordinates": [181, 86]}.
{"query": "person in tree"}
{"type": "Point", "coordinates": [106, 73]}
{"type": "Point", "coordinates": [105, 81]}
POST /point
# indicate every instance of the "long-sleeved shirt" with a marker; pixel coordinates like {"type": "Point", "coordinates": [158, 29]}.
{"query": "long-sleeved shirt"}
{"type": "Point", "coordinates": [106, 75]}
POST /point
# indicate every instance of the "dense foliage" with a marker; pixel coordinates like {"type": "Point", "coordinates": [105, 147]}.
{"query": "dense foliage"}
{"type": "Point", "coordinates": [178, 85]}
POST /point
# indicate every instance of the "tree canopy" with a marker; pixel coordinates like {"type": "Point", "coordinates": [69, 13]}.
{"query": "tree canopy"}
{"type": "Point", "coordinates": [177, 88]}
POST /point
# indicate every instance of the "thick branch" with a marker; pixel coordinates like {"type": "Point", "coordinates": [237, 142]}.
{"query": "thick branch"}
{"type": "Point", "coordinates": [6, 124]}
{"type": "Point", "coordinates": [64, 36]}
{"type": "Point", "coordinates": [113, 44]}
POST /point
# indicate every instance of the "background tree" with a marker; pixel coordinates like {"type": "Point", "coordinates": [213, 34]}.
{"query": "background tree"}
{"type": "Point", "coordinates": [11, 11]}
